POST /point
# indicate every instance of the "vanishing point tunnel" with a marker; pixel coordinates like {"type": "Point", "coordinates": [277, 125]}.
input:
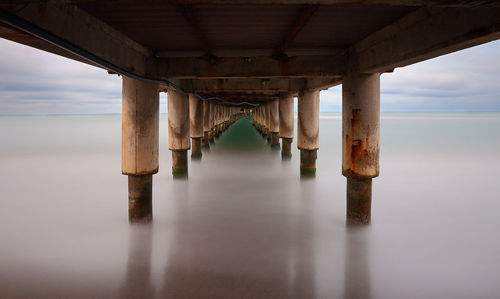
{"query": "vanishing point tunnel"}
{"type": "Point", "coordinates": [219, 60]}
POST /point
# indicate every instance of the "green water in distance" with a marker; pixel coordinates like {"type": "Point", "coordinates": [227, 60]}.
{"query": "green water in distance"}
{"type": "Point", "coordinates": [241, 134]}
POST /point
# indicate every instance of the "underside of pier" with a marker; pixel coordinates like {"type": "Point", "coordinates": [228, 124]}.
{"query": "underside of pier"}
{"type": "Point", "coordinates": [215, 57]}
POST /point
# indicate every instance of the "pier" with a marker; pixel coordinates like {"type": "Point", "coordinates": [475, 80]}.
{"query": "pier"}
{"type": "Point", "coordinates": [221, 60]}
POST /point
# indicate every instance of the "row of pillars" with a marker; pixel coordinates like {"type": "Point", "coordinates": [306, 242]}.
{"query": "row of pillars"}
{"type": "Point", "coordinates": [360, 136]}
{"type": "Point", "coordinates": [192, 124]}
{"type": "Point", "coordinates": [189, 117]}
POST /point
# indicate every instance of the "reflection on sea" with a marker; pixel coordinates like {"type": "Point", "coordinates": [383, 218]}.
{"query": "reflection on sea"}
{"type": "Point", "coordinates": [245, 225]}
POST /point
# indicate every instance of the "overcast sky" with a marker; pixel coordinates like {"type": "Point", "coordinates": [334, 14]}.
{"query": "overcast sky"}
{"type": "Point", "coordinates": [36, 82]}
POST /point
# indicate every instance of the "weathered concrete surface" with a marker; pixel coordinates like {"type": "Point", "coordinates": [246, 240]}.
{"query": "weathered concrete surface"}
{"type": "Point", "coordinates": [140, 127]}
{"type": "Point", "coordinates": [206, 116]}
{"type": "Point", "coordinates": [274, 116]}
{"type": "Point", "coordinates": [361, 125]}
{"type": "Point", "coordinates": [196, 148]}
{"type": "Point", "coordinates": [206, 125]}
{"type": "Point", "coordinates": [212, 122]}
{"type": "Point", "coordinates": [179, 163]}
{"type": "Point", "coordinates": [262, 86]}
{"type": "Point", "coordinates": [286, 116]}
{"type": "Point", "coordinates": [255, 67]}
{"type": "Point", "coordinates": [140, 198]}
{"type": "Point", "coordinates": [308, 162]}
{"type": "Point", "coordinates": [275, 140]}
{"type": "Point", "coordinates": [178, 120]}
{"type": "Point", "coordinates": [286, 148]}
{"type": "Point", "coordinates": [195, 116]}
{"type": "Point", "coordinates": [359, 200]}
{"type": "Point", "coordinates": [308, 120]}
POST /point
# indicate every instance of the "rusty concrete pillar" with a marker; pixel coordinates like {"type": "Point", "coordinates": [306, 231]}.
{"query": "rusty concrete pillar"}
{"type": "Point", "coordinates": [195, 125]}
{"type": "Point", "coordinates": [308, 131]}
{"type": "Point", "coordinates": [206, 125]}
{"type": "Point", "coordinates": [360, 142]}
{"type": "Point", "coordinates": [267, 120]}
{"type": "Point", "coordinates": [178, 131]}
{"type": "Point", "coordinates": [226, 116]}
{"type": "Point", "coordinates": [286, 125]}
{"type": "Point", "coordinates": [223, 121]}
{"type": "Point", "coordinates": [216, 123]}
{"type": "Point", "coordinates": [262, 120]}
{"type": "Point", "coordinates": [258, 111]}
{"type": "Point", "coordinates": [274, 123]}
{"type": "Point", "coordinates": [223, 118]}
{"type": "Point", "coordinates": [211, 134]}
{"type": "Point", "coordinates": [140, 134]}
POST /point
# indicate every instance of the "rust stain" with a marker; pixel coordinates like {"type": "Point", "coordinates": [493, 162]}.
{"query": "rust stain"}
{"type": "Point", "coordinates": [361, 156]}
{"type": "Point", "coordinates": [356, 152]}
{"type": "Point", "coordinates": [356, 144]}
{"type": "Point", "coordinates": [367, 140]}
{"type": "Point", "coordinates": [354, 120]}
{"type": "Point", "coordinates": [355, 114]}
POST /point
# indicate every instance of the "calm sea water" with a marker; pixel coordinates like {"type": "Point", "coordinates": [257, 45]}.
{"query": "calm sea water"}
{"type": "Point", "coordinates": [244, 225]}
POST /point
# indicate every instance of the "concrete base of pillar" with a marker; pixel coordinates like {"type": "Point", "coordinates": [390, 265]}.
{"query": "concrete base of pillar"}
{"type": "Point", "coordinates": [211, 136]}
{"type": "Point", "coordinates": [179, 163]}
{"type": "Point", "coordinates": [286, 148]}
{"type": "Point", "coordinates": [308, 162]}
{"type": "Point", "coordinates": [196, 148]}
{"type": "Point", "coordinates": [275, 140]}
{"type": "Point", "coordinates": [205, 144]}
{"type": "Point", "coordinates": [217, 132]}
{"type": "Point", "coordinates": [265, 134]}
{"type": "Point", "coordinates": [140, 198]}
{"type": "Point", "coordinates": [359, 201]}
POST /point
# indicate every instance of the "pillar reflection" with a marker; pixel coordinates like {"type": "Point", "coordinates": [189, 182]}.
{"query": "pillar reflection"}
{"type": "Point", "coordinates": [357, 280]}
{"type": "Point", "coordinates": [138, 277]}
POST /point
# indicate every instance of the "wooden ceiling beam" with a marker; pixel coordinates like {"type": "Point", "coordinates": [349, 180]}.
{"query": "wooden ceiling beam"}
{"type": "Point", "coordinates": [305, 15]}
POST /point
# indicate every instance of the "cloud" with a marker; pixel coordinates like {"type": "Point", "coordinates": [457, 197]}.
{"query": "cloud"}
{"type": "Point", "coordinates": [36, 82]}
{"type": "Point", "coordinates": [463, 81]}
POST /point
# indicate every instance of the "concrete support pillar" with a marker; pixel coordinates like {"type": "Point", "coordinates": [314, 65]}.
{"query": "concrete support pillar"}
{"type": "Point", "coordinates": [223, 121]}
{"type": "Point", "coordinates": [308, 131]}
{"type": "Point", "coordinates": [267, 120]}
{"type": "Point", "coordinates": [212, 123]}
{"type": "Point", "coordinates": [206, 125]}
{"type": "Point", "coordinates": [216, 113]}
{"type": "Point", "coordinates": [195, 125]}
{"type": "Point", "coordinates": [140, 134]}
{"type": "Point", "coordinates": [261, 120]}
{"type": "Point", "coordinates": [360, 142]}
{"type": "Point", "coordinates": [256, 116]}
{"type": "Point", "coordinates": [286, 125]}
{"type": "Point", "coordinates": [178, 131]}
{"type": "Point", "coordinates": [274, 123]}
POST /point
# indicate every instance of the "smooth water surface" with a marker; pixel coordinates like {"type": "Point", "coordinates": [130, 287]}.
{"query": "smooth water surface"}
{"type": "Point", "coordinates": [245, 225]}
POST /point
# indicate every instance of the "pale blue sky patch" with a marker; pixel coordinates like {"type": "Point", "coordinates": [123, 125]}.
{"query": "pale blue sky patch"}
{"type": "Point", "coordinates": [36, 82]}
